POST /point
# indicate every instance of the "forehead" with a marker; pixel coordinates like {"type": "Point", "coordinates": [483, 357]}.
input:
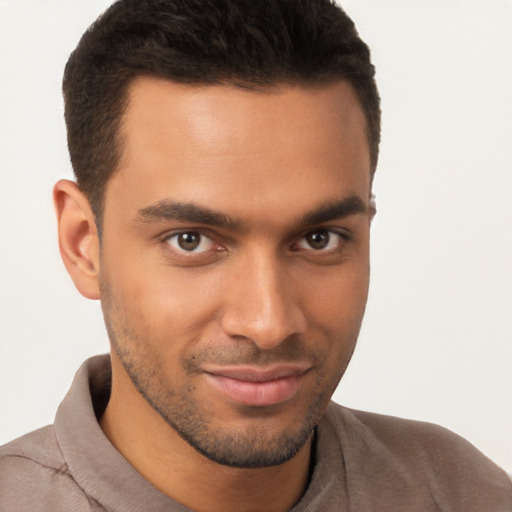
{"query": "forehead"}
{"type": "Point", "coordinates": [222, 146]}
{"type": "Point", "coordinates": [212, 114]}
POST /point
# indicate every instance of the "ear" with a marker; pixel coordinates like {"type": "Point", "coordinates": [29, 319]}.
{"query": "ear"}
{"type": "Point", "coordinates": [78, 238]}
{"type": "Point", "coordinates": [373, 206]}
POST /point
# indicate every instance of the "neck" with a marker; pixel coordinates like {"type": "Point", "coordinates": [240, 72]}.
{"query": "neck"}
{"type": "Point", "coordinates": [170, 464]}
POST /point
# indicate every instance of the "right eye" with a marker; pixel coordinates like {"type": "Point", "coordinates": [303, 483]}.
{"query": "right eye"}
{"type": "Point", "coordinates": [191, 242]}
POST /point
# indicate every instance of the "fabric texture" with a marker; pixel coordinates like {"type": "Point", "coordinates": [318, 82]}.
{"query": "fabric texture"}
{"type": "Point", "coordinates": [363, 462]}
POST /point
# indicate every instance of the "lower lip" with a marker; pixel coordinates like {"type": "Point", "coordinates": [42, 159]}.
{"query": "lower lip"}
{"type": "Point", "coordinates": [257, 393]}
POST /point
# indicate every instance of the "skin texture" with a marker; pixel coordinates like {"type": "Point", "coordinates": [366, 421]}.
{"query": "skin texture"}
{"type": "Point", "coordinates": [235, 238]}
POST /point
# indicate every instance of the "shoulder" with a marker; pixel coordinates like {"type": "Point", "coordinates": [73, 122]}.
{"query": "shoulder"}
{"type": "Point", "coordinates": [39, 446]}
{"type": "Point", "coordinates": [33, 472]}
{"type": "Point", "coordinates": [405, 437]}
{"type": "Point", "coordinates": [427, 455]}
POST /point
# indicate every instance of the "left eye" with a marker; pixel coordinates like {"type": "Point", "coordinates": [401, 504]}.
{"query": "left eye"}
{"type": "Point", "coordinates": [190, 241]}
{"type": "Point", "coordinates": [321, 240]}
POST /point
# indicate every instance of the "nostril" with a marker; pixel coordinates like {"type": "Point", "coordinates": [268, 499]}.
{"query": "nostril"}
{"type": "Point", "coordinates": [266, 325]}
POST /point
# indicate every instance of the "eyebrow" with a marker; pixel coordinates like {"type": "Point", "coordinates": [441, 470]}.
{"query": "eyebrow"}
{"type": "Point", "coordinates": [193, 213]}
{"type": "Point", "coordinates": [334, 210]}
{"type": "Point", "coordinates": [187, 212]}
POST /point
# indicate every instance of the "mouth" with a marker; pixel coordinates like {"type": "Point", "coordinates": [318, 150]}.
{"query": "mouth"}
{"type": "Point", "coordinates": [257, 386]}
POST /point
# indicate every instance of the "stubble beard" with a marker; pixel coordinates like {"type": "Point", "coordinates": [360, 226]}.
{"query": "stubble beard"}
{"type": "Point", "coordinates": [252, 447]}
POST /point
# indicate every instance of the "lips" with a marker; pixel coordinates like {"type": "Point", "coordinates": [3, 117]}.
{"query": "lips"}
{"type": "Point", "coordinates": [257, 386]}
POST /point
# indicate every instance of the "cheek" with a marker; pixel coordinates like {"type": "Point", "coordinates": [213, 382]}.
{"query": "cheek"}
{"type": "Point", "coordinates": [165, 302]}
{"type": "Point", "coordinates": [338, 299]}
{"type": "Point", "coordinates": [335, 314]}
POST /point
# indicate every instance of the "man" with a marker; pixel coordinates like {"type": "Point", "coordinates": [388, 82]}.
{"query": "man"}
{"type": "Point", "coordinates": [224, 154]}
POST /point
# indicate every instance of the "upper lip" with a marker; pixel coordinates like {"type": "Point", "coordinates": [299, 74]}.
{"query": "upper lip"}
{"type": "Point", "coordinates": [248, 373]}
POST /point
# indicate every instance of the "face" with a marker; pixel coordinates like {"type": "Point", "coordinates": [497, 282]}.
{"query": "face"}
{"type": "Point", "coordinates": [235, 259]}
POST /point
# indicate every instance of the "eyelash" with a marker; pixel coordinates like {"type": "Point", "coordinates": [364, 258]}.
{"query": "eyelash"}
{"type": "Point", "coordinates": [164, 239]}
{"type": "Point", "coordinates": [343, 238]}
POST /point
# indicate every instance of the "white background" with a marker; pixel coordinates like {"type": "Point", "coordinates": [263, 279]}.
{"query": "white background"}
{"type": "Point", "coordinates": [436, 343]}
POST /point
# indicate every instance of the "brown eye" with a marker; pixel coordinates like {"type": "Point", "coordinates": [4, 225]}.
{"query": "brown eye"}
{"type": "Point", "coordinates": [190, 241]}
{"type": "Point", "coordinates": [320, 240]}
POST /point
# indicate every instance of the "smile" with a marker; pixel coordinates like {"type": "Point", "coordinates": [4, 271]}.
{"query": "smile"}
{"type": "Point", "coordinates": [255, 386]}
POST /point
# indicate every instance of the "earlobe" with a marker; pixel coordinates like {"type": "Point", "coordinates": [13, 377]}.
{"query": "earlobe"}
{"type": "Point", "coordinates": [78, 237]}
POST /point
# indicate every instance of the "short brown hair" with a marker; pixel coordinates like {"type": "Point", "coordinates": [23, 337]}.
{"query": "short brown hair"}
{"type": "Point", "coordinates": [243, 42]}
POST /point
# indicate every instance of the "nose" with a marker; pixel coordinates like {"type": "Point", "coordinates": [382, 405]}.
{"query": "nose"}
{"type": "Point", "coordinates": [261, 303]}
